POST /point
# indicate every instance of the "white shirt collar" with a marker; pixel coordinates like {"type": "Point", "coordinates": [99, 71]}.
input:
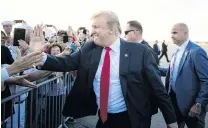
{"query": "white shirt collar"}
{"type": "Point", "coordinates": [140, 41]}
{"type": "Point", "coordinates": [183, 46]}
{"type": "Point", "coordinates": [116, 45]}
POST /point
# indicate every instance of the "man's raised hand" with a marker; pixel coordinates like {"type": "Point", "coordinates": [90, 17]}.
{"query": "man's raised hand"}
{"type": "Point", "coordinates": [37, 39]}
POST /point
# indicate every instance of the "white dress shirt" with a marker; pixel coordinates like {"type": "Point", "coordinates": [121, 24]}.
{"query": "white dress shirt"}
{"type": "Point", "coordinates": [116, 101]}
{"type": "Point", "coordinates": [4, 74]}
{"type": "Point", "coordinates": [181, 49]}
{"type": "Point", "coordinates": [13, 53]}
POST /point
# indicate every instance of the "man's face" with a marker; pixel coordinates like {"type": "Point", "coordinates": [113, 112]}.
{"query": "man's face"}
{"type": "Point", "coordinates": [3, 38]}
{"type": "Point", "coordinates": [7, 28]}
{"type": "Point", "coordinates": [81, 35]}
{"type": "Point", "coordinates": [55, 50]}
{"type": "Point", "coordinates": [100, 31]}
{"type": "Point", "coordinates": [60, 38]}
{"type": "Point", "coordinates": [178, 35]}
{"type": "Point", "coordinates": [70, 36]}
{"type": "Point", "coordinates": [130, 33]}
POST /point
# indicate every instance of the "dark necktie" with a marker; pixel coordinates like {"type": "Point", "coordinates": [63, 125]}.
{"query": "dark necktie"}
{"type": "Point", "coordinates": [104, 85]}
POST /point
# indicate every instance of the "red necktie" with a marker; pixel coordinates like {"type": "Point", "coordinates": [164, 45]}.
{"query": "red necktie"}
{"type": "Point", "coordinates": [104, 85]}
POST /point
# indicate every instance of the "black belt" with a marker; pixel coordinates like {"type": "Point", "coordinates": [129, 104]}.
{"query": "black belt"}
{"type": "Point", "coordinates": [115, 114]}
{"type": "Point", "coordinates": [19, 102]}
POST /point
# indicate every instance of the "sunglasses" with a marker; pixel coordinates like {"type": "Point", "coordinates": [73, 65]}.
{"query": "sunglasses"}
{"type": "Point", "coordinates": [127, 32]}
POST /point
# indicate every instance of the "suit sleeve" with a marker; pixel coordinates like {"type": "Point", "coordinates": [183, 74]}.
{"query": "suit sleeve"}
{"type": "Point", "coordinates": [62, 64]}
{"type": "Point", "coordinates": [201, 69]}
{"type": "Point", "coordinates": [153, 75]}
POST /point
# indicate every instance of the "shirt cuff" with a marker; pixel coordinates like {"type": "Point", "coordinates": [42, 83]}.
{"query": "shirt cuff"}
{"type": "Point", "coordinates": [43, 61]}
{"type": "Point", "coordinates": [4, 74]}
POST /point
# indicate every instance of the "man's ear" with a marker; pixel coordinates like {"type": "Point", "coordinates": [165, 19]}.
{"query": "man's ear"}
{"type": "Point", "coordinates": [112, 30]}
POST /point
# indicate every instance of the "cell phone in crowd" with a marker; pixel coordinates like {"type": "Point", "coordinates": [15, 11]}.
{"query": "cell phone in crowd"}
{"type": "Point", "coordinates": [18, 21]}
{"type": "Point", "coordinates": [65, 39]}
{"type": "Point", "coordinates": [19, 34]}
{"type": "Point", "coordinates": [49, 25]}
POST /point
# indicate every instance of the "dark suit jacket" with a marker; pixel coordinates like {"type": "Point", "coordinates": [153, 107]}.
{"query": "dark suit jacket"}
{"type": "Point", "coordinates": [156, 49]}
{"type": "Point", "coordinates": [6, 56]}
{"type": "Point", "coordinates": [192, 80]}
{"type": "Point", "coordinates": [136, 70]}
{"type": "Point", "coordinates": [164, 48]}
{"type": "Point", "coordinates": [152, 50]}
{"type": "Point", "coordinates": [154, 104]}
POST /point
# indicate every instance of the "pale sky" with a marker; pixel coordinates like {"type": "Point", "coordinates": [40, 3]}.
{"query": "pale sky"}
{"type": "Point", "coordinates": [156, 16]}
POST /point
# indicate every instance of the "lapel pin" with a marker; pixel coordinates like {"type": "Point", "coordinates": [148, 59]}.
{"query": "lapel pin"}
{"type": "Point", "coordinates": [126, 55]}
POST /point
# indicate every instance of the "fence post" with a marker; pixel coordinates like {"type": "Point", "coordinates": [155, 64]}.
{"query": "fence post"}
{"type": "Point", "coordinates": [66, 84]}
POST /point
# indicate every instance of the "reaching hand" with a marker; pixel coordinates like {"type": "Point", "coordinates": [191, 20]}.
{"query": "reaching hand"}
{"type": "Point", "coordinates": [28, 61]}
{"type": "Point", "coordinates": [67, 51]}
{"type": "Point", "coordinates": [17, 51]}
{"type": "Point", "coordinates": [37, 39]}
{"type": "Point", "coordinates": [20, 81]}
{"type": "Point", "coordinates": [195, 111]}
{"type": "Point", "coordinates": [23, 45]}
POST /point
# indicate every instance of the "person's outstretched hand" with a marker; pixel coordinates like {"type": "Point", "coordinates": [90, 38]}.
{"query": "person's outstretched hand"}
{"type": "Point", "coordinates": [37, 39]}
{"type": "Point", "coordinates": [20, 81]}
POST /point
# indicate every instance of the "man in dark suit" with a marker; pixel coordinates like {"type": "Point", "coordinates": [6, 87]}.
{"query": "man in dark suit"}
{"type": "Point", "coordinates": [133, 33]}
{"type": "Point", "coordinates": [187, 79]}
{"type": "Point", "coordinates": [112, 76]}
{"type": "Point", "coordinates": [156, 48]}
{"type": "Point", "coordinates": [164, 51]}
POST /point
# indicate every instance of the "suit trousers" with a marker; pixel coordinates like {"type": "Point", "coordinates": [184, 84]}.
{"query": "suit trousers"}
{"type": "Point", "coordinates": [117, 120]}
{"type": "Point", "coordinates": [164, 54]}
{"type": "Point", "coordinates": [196, 122]}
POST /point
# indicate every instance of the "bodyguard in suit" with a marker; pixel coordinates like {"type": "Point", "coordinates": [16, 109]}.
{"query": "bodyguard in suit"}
{"type": "Point", "coordinates": [133, 33]}
{"type": "Point", "coordinates": [187, 79]}
{"type": "Point", "coordinates": [111, 78]}
{"type": "Point", "coordinates": [156, 48]}
{"type": "Point", "coordinates": [164, 51]}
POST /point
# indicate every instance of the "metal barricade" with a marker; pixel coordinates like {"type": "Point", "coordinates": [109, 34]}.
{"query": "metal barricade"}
{"type": "Point", "coordinates": [37, 108]}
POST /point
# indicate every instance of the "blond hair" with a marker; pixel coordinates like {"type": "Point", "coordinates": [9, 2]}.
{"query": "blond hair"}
{"type": "Point", "coordinates": [111, 20]}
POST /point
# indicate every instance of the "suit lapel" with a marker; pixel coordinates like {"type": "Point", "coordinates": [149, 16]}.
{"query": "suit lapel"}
{"type": "Point", "coordinates": [124, 65]}
{"type": "Point", "coordinates": [186, 52]}
{"type": "Point", "coordinates": [94, 59]}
